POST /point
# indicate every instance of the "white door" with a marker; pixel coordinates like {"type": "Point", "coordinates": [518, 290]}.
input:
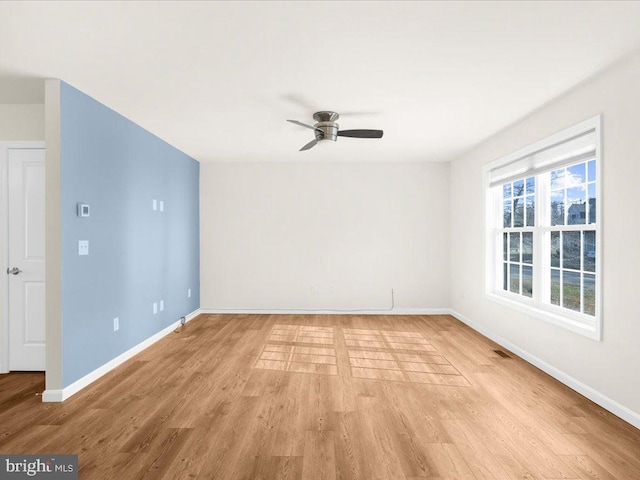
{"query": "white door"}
{"type": "Point", "coordinates": [26, 259]}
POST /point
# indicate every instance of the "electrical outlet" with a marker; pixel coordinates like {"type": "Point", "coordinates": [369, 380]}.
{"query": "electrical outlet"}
{"type": "Point", "coordinates": [116, 324]}
{"type": "Point", "coordinates": [161, 305]}
{"type": "Point", "coordinates": [83, 247]}
{"type": "Point", "coordinates": [155, 308]}
{"type": "Point", "coordinates": [154, 203]}
{"type": "Point", "coordinates": [189, 293]}
{"type": "Point", "coordinates": [161, 206]}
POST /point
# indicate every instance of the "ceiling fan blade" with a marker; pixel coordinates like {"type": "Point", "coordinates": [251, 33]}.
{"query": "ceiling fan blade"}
{"type": "Point", "coordinates": [309, 145]}
{"type": "Point", "coordinates": [303, 124]}
{"type": "Point", "coordinates": [358, 114]}
{"type": "Point", "coordinates": [300, 102]}
{"type": "Point", "coordinates": [360, 133]}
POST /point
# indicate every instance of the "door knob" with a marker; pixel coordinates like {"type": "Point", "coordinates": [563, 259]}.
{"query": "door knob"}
{"type": "Point", "coordinates": [13, 271]}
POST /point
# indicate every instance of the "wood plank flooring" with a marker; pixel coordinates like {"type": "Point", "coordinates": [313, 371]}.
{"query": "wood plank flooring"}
{"type": "Point", "coordinates": [322, 397]}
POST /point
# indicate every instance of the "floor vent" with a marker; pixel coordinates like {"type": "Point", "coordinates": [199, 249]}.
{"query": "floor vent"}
{"type": "Point", "coordinates": [502, 354]}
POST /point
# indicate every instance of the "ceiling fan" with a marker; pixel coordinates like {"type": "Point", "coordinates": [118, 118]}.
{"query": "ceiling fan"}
{"type": "Point", "coordinates": [326, 128]}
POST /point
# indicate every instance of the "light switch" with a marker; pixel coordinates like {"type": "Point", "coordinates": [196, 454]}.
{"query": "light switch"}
{"type": "Point", "coordinates": [155, 307]}
{"type": "Point", "coordinates": [116, 324]}
{"type": "Point", "coordinates": [161, 206]}
{"type": "Point", "coordinates": [189, 293]}
{"type": "Point", "coordinates": [83, 247]}
{"type": "Point", "coordinates": [155, 204]}
{"type": "Point", "coordinates": [161, 305]}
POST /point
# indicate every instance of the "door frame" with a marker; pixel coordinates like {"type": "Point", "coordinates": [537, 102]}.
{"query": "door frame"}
{"type": "Point", "coordinates": [4, 243]}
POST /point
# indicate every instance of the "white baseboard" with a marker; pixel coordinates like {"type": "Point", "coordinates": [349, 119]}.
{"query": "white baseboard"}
{"type": "Point", "coordinates": [284, 311]}
{"type": "Point", "coordinates": [595, 396]}
{"type": "Point", "coordinates": [192, 315]}
{"type": "Point", "coordinates": [75, 387]}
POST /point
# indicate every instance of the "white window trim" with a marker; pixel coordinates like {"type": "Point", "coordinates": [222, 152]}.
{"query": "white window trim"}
{"type": "Point", "coordinates": [588, 326]}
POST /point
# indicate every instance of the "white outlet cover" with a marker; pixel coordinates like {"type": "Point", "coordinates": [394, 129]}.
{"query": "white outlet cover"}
{"type": "Point", "coordinates": [155, 307]}
{"type": "Point", "coordinates": [189, 293]}
{"type": "Point", "coordinates": [161, 206]}
{"type": "Point", "coordinates": [83, 247]}
{"type": "Point", "coordinates": [155, 204]}
{"type": "Point", "coordinates": [116, 324]}
{"type": "Point", "coordinates": [161, 305]}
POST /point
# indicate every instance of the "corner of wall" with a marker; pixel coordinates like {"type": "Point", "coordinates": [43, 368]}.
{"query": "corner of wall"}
{"type": "Point", "coordinates": [53, 232]}
{"type": "Point", "coordinates": [449, 233]}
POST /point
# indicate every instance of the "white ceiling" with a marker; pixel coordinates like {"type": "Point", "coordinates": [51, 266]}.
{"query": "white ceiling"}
{"type": "Point", "coordinates": [218, 80]}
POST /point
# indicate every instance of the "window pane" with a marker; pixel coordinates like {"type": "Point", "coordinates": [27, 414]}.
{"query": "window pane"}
{"type": "Point", "coordinates": [505, 247]}
{"type": "Point", "coordinates": [589, 252]}
{"type": "Point", "coordinates": [506, 190]}
{"type": "Point", "coordinates": [557, 178]}
{"type": "Point", "coordinates": [592, 203]}
{"type": "Point", "coordinates": [557, 207]}
{"type": "Point", "coordinates": [518, 212]}
{"type": "Point", "coordinates": [592, 171]}
{"type": "Point", "coordinates": [527, 281]}
{"type": "Point", "coordinates": [518, 188]}
{"type": "Point", "coordinates": [577, 213]}
{"type": "Point", "coordinates": [531, 210]}
{"type": "Point", "coordinates": [505, 278]}
{"type": "Point", "coordinates": [571, 250]}
{"type": "Point", "coordinates": [527, 247]}
{"type": "Point", "coordinates": [571, 290]}
{"type": "Point", "coordinates": [555, 287]}
{"type": "Point", "coordinates": [506, 209]}
{"type": "Point", "coordinates": [531, 185]}
{"type": "Point", "coordinates": [589, 298]}
{"type": "Point", "coordinates": [515, 278]}
{"type": "Point", "coordinates": [514, 246]}
{"type": "Point", "coordinates": [555, 249]}
{"type": "Point", "coordinates": [576, 174]}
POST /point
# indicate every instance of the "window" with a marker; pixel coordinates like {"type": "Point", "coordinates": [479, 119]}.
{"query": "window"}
{"type": "Point", "coordinates": [518, 222]}
{"type": "Point", "coordinates": [543, 229]}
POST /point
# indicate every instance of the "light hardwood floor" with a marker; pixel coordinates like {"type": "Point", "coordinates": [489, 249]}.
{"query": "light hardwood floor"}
{"type": "Point", "coordinates": [322, 397]}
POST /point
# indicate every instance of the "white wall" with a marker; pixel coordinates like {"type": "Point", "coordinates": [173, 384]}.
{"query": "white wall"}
{"type": "Point", "coordinates": [272, 232]}
{"type": "Point", "coordinates": [21, 122]}
{"type": "Point", "coordinates": [611, 367]}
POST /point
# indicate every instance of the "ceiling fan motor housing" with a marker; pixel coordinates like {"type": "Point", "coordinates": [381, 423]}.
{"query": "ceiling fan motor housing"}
{"type": "Point", "coordinates": [328, 131]}
{"type": "Point", "coordinates": [327, 125]}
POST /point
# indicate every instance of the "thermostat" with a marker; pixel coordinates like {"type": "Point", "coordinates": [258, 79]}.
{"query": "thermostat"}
{"type": "Point", "coordinates": [83, 210]}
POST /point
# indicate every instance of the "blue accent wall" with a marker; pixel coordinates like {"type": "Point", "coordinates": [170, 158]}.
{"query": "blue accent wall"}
{"type": "Point", "coordinates": [137, 256]}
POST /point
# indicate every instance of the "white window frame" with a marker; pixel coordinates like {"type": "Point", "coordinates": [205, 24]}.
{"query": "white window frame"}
{"type": "Point", "coordinates": [587, 325]}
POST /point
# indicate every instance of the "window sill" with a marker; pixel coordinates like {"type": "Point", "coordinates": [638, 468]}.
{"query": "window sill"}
{"type": "Point", "coordinates": [590, 330]}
